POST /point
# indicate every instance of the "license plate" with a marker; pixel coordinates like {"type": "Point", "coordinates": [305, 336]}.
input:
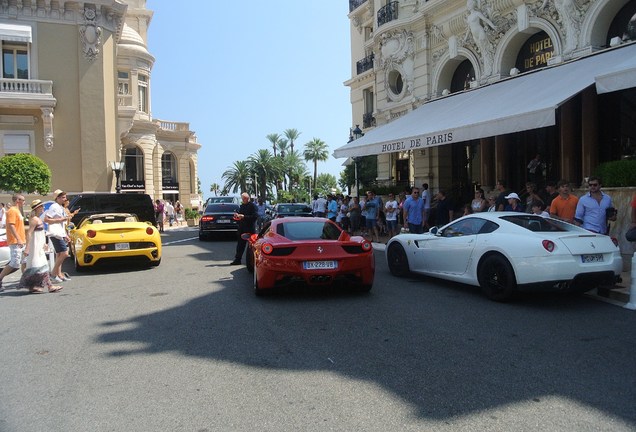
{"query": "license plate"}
{"type": "Point", "coordinates": [122, 246]}
{"type": "Point", "coordinates": [319, 265]}
{"type": "Point", "coordinates": [223, 221]}
{"type": "Point", "coordinates": [592, 258]}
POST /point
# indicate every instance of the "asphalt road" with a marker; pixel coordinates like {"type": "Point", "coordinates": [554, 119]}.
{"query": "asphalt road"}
{"type": "Point", "coordinates": [187, 346]}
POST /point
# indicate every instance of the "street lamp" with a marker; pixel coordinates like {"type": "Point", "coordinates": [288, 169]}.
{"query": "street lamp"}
{"type": "Point", "coordinates": [354, 134]}
{"type": "Point", "coordinates": [117, 168]}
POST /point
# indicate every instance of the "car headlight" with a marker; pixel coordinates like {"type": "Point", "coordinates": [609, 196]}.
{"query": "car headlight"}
{"type": "Point", "coordinates": [78, 243]}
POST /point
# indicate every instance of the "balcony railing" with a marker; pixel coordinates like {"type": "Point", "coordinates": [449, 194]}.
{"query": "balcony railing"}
{"type": "Point", "coordinates": [174, 126]}
{"type": "Point", "coordinates": [368, 120]}
{"type": "Point", "coordinates": [388, 13]}
{"type": "Point", "coordinates": [26, 86]}
{"type": "Point", "coordinates": [354, 4]}
{"type": "Point", "coordinates": [365, 64]}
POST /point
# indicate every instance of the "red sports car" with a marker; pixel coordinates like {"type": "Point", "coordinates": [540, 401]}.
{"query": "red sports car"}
{"type": "Point", "coordinates": [309, 251]}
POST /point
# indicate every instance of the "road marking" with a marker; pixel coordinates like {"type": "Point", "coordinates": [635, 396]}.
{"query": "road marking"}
{"type": "Point", "coordinates": [179, 241]}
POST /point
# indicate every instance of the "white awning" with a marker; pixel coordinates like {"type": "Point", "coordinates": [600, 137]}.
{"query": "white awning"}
{"type": "Point", "coordinates": [15, 33]}
{"type": "Point", "coordinates": [528, 101]}
{"type": "Point", "coordinates": [621, 77]}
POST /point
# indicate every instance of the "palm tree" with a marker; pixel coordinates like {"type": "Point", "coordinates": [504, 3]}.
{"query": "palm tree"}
{"type": "Point", "coordinates": [295, 168]}
{"type": "Point", "coordinates": [236, 176]}
{"type": "Point", "coordinates": [273, 138]}
{"type": "Point", "coordinates": [316, 150]}
{"type": "Point", "coordinates": [282, 147]}
{"type": "Point", "coordinates": [264, 166]}
{"type": "Point", "coordinates": [215, 188]}
{"type": "Point", "coordinates": [291, 135]}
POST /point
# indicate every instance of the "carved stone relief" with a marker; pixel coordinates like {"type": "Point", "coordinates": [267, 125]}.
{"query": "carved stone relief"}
{"type": "Point", "coordinates": [90, 35]}
{"type": "Point", "coordinates": [567, 16]}
{"type": "Point", "coordinates": [47, 127]}
{"type": "Point", "coordinates": [397, 51]}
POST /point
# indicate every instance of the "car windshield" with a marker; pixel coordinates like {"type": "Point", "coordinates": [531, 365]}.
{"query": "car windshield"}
{"type": "Point", "coordinates": [221, 208]}
{"type": "Point", "coordinates": [294, 208]}
{"type": "Point", "coordinates": [539, 224]}
{"type": "Point", "coordinates": [223, 199]}
{"type": "Point", "coordinates": [310, 230]}
{"type": "Point", "coordinates": [112, 218]}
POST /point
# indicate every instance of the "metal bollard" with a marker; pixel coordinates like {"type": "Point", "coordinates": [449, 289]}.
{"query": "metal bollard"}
{"type": "Point", "coordinates": [632, 286]}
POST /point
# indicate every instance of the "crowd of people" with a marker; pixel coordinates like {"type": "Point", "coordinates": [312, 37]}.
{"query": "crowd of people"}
{"type": "Point", "coordinates": [28, 247]}
{"type": "Point", "coordinates": [169, 212]}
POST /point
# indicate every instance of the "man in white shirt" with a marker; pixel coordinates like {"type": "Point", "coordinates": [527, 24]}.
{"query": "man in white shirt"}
{"type": "Point", "coordinates": [321, 207]}
{"type": "Point", "coordinates": [57, 219]}
{"type": "Point", "coordinates": [391, 213]}
{"type": "Point", "coordinates": [170, 212]}
{"type": "Point", "coordinates": [426, 197]}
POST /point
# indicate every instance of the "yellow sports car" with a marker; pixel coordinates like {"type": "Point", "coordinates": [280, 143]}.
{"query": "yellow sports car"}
{"type": "Point", "coordinates": [112, 238]}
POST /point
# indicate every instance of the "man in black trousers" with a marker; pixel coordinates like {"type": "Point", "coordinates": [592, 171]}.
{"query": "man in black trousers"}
{"type": "Point", "coordinates": [246, 218]}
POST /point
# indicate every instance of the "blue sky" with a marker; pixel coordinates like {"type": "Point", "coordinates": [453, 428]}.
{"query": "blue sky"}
{"type": "Point", "coordinates": [238, 71]}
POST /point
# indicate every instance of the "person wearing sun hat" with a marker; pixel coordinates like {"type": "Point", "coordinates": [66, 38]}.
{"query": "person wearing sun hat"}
{"type": "Point", "coordinates": [514, 203]}
{"type": "Point", "coordinates": [56, 218]}
{"type": "Point", "coordinates": [35, 276]}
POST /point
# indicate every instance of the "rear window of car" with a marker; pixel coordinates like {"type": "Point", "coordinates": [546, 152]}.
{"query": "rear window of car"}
{"type": "Point", "coordinates": [221, 208]}
{"type": "Point", "coordinates": [317, 230]}
{"type": "Point", "coordinates": [294, 208]}
{"type": "Point", "coordinates": [539, 224]}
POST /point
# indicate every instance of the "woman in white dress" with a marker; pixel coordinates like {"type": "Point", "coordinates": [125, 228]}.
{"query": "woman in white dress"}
{"type": "Point", "coordinates": [36, 275]}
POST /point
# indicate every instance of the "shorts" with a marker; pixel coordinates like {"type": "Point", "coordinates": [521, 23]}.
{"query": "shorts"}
{"type": "Point", "coordinates": [17, 256]}
{"type": "Point", "coordinates": [370, 222]}
{"type": "Point", "coordinates": [60, 245]}
{"type": "Point", "coordinates": [391, 225]}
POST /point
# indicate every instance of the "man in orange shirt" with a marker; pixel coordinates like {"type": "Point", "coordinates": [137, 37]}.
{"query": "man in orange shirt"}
{"type": "Point", "coordinates": [564, 205]}
{"type": "Point", "coordinates": [16, 237]}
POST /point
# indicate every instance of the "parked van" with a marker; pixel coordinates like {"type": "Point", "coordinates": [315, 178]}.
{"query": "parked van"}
{"type": "Point", "coordinates": [93, 203]}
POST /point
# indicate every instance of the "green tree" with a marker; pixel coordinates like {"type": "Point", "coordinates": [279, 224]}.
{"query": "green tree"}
{"type": "Point", "coordinates": [291, 135]}
{"type": "Point", "coordinates": [236, 177]}
{"type": "Point", "coordinates": [325, 184]}
{"type": "Point", "coordinates": [316, 150]}
{"type": "Point", "coordinates": [273, 138]}
{"type": "Point", "coordinates": [265, 167]}
{"type": "Point", "coordinates": [215, 188]}
{"type": "Point", "coordinates": [367, 172]}
{"type": "Point", "coordinates": [24, 173]}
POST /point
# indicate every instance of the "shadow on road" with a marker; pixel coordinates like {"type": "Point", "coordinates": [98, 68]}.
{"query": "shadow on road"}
{"type": "Point", "coordinates": [441, 347]}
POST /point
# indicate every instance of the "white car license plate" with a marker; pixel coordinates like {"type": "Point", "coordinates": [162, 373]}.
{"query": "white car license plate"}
{"type": "Point", "coordinates": [122, 246]}
{"type": "Point", "coordinates": [223, 221]}
{"type": "Point", "coordinates": [320, 265]}
{"type": "Point", "coordinates": [592, 258]}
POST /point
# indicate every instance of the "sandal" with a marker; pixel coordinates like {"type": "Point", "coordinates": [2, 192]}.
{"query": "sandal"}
{"type": "Point", "coordinates": [55, 288]}
{"type": "Point", "coordinates": [36, 291]}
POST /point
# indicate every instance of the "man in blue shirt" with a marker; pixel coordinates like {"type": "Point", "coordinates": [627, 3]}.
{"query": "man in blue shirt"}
{"type": "Point", "coordinates": [372, 207]}
{"type": "Point", "coordinates": [414, 213]}
{"type": "Point", "coordinates": [592, 207]}
{"type": "Point", "coordinates": [332, 207]}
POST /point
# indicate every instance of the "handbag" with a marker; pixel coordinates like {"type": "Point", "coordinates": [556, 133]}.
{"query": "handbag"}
{"type": "Point", "coordinates": [56, 230]}
{"type": "Point", "coordinates": [630, 235]}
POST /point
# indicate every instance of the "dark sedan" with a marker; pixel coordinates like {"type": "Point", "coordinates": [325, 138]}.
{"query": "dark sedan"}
{"type": "Point", "coordinates": [290, 209]}
{"type": "Point", "coordinates": [217, 218]}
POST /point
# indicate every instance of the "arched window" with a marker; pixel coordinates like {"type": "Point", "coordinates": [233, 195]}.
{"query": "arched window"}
{"type": "Point", "coordinates": [133, 164]}
{"type": "Point", "coordinates": [168, 168]}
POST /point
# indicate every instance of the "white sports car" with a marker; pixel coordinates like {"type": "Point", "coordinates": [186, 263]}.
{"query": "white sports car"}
{"type": "Point", "coordinates": [503, 252]}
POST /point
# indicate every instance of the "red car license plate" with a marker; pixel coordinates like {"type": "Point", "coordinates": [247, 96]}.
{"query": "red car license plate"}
{"type": "Point", "coordinates": [320, 265]}
{"type": "Point", "coordinates": [592, 258]}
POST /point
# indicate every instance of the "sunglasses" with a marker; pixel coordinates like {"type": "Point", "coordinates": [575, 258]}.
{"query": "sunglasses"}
{"type": "Point", "coordinates": [592, 184]}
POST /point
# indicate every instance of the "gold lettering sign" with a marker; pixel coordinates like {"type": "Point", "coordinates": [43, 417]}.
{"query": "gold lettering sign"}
{"type": "Point", "coordinates": [535, 53]}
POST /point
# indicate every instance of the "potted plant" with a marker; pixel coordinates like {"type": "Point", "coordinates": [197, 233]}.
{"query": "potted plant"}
{"type": "Point", "coordinates": [192, 217]}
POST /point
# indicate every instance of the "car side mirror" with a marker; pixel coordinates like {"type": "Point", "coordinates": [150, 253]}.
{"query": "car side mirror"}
{"type": "Point", "coordinates": [434, 230]}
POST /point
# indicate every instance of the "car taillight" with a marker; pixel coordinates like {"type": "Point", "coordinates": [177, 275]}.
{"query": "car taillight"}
{"type": "Point", "coordinates": [207, 218]}
{"type": "Point", "coordinates": [3, 243]}
{"type": "Point", "coordinates": [91, 233]}
{"type": "Point", "coordinates": [615, 241]}
{"type": "Point", "coordinates": [149, 231]}
{"type": "Point", "coordinates": [548, 245]}
{"type": "Point", "coordinates": [366, 246]}
{"type": "Point", "coordinates": [267, 248]}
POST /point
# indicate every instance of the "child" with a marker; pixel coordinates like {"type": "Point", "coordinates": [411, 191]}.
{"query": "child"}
{"type": "Point", "coordinates": [539, 209]}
